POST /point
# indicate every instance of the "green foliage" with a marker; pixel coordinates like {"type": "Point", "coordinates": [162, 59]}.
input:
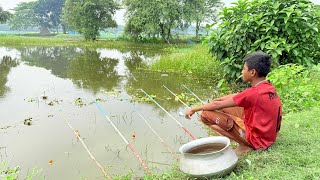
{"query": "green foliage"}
{"type": "Point", "coordinates": [24, 16]}
{"type": "Point", "coordinates": [49, 13]}
{"type": "Point", "coordinates": [195, 61]}
{"type": "Point", "coordinates": [90, 16]}
{"type": "Point", "coordinates": [4, 16]}
{"type": "Point", "coordinates": [199, 11]}
{"type": "Point", "coordinates": [8, 173]}
{"type": "Point", "coordinates": [297, 86]}
{"type": "Point", "coordinates": [44, 14]}
{"type": "Point", "coordinates": [288, 30]}
{"type": "Point", "coordinates": [150, 19]}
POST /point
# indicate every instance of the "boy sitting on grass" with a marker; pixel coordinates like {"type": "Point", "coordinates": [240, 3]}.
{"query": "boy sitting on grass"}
{"type": "Point", "coordinates": [252, 117]}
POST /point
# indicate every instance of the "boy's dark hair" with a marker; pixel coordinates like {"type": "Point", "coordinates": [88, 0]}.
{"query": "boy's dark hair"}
{"type": "Point", "coordinates": [259, 61]}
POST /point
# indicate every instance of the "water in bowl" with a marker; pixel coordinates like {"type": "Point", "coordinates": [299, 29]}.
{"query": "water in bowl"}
{"type": "Point", "coordinates": [206, 148]}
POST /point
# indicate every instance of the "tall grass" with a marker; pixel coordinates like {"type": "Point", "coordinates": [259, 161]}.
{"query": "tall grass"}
{"type": "Point", "coordinates": [195, 61]}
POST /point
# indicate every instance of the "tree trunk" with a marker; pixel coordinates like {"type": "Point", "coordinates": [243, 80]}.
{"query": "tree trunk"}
{"type": "Point", "coordinates": [162, 31]}
{"type": "Point", "coordinates": [44, 31]}
{"type": "Point", "coordinates": [197, 29]}
{"type": "Point", "coordinates": [64, 29]}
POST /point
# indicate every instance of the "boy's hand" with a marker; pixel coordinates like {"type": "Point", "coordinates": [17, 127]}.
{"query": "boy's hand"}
{"type": "Point", "coordinates": [189, 113]}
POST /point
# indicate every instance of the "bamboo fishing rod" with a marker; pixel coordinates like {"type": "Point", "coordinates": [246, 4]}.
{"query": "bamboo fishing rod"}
{"type": "Point", "coordinates": [84, 145]}
{"type": "Point", "coordinates": [169, 114]}
{"type": "Point", "coordinates": [82, 142]}
{"type": "Point", "coordinates": [193, 94]}
{"type": "Point", "coordinates": [162, 141]}
{"type": "Point", "coordinates": [204, 102]}
{"type": "Point", "coordinates": [124, 139]}
{"type": "Point", "coordinates": [178, 98]}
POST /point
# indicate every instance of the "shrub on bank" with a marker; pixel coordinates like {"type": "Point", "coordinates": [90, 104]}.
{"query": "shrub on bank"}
{"type": "Point", "coordinates": [288, 30]}
{"type": "Point", "coordinates": [298, 87]}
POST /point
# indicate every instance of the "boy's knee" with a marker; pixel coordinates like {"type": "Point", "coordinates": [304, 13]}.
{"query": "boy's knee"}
{"type": "Point", "coordinates": [206, 118]}
{"type": "Point", "coordinates": [210, 118]}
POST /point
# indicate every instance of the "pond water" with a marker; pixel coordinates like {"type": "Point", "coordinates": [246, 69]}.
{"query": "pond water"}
{"type": "Point", "coordinates": [42, 89]}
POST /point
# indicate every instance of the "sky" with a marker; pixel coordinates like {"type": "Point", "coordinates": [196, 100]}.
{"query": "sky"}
{"type": "Point", "coordinates": [10, 4]}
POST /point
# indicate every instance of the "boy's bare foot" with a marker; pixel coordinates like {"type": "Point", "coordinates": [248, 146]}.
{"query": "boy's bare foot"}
{"type": "Point", "coordinates": [241, 149]}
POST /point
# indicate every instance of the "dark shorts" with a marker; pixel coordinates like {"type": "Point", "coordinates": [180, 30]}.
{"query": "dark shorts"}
{"type": "Point", "coordinates": [228, 119]}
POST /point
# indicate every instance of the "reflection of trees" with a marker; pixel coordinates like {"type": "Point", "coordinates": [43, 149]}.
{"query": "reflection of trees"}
{"type": "Point", "coordinates": [96, 73]}
{"type": "Point", "coordinates": [55, 59]}
{"type": "Point", "coordinates": [145, 52]}
{"type": "Point", "coordinates": [134, 61]}
{"type": "Point", "coordinates": [5, 65]}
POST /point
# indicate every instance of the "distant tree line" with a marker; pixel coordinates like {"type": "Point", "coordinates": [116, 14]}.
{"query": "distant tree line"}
{"type": "Point", "coordinates": [4, 15]}
{"type": "Point", "coordinates": [144, 18]}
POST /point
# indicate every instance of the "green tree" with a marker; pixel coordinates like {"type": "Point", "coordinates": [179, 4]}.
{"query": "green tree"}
{"type": "Point", "coordinates": [199, 11]}
{"type": "Point", "coordinates": [44, 14]}
{"type": "Point", "coordinates": [4, 15]}
{"type": "Point", "coordinates": [24, 16]}
{"type": "Point", "coordinates": [150, 18]}
{"type": "Point", "coordinates": [288, 30]}
{"type": "Point", "coordinates": [49, 13]}
{"type": "Point", "coordinates": [91, 16]}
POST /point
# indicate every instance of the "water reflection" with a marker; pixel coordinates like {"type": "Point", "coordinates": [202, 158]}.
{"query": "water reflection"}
{"type": "Point", "coordinates": [56, 72]}
{"type": "Point", "coordinates": [95, 72]}
{"type": "Point", "coordinates": [6, 64]}
{"type": "Point", "coordinates": [56, 59]}
{"type": "Point", "coordinates": [134, 60]}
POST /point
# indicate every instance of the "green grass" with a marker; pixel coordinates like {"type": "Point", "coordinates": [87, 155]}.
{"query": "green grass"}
{"type": "Point", "coordinates": [77, 41]}
{"type": "Point", "coordinates": [195, 60]}
{"type": "Point", "coordinates": [295, 155]}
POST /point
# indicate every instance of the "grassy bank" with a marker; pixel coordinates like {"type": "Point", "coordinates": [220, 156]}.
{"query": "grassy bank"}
{"type": "Point", "coordinates": [195, 61]}
{"type": "Point", "coordinates": [75, 41]}
{"type": "Point", "coordinates": [295, 155]}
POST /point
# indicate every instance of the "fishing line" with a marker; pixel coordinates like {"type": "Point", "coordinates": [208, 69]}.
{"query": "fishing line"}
{"type": "Point", "coordinates": [179, 98]}
{"type": "Point", "coordinates": [124, 139]}
{"type": "Point", "coordinates": [193, 94]}
{"type": "Point", "coordinates": [168, 114]}
{"type": "Point", "coordinates": [162, 141]}
{"type": "Point", "coordinates": [84, 145]}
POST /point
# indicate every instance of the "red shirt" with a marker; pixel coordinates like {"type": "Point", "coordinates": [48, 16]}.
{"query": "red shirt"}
{"type": "Point", "coordinates": [262, 114]}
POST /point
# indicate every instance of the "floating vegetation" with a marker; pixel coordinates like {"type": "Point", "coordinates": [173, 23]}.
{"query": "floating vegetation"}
{"type": "Point", "coordinates": [6, 127]}
{"type": "Point", "coordinates": [79, 102]}
{"type": "Point", "coordinates": [28, 121]}
{"type": "Point", "coordinates": [30, 100]}
{"type": "Point", "coordinates": [140, 98]}
{"type": "Point", "coordinates": [185, 98]}
{"type": "Point", "coordinates": [54, 102]}
{"type": "Point", "coordinates": [9, 173]}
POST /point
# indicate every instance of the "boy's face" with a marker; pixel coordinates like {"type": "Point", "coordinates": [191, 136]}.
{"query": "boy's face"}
{"type": "Point", "coordinates": [246, 73]}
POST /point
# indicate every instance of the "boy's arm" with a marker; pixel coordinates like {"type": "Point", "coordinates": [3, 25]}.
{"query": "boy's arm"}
{"type": "Point", "coordinates": [225, 97]}
{"type": "Point", "coordinates": [227, 101]}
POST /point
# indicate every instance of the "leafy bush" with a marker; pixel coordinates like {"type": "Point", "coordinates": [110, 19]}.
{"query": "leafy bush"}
{"type": "Point", "coordinates": [288, 30]}
{"type": "Point", "coordinates": [297, 86]}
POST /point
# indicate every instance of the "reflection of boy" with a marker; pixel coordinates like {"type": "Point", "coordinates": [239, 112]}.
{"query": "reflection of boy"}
{"type": "Point", "coordinates": [252, 117]}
